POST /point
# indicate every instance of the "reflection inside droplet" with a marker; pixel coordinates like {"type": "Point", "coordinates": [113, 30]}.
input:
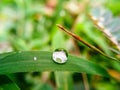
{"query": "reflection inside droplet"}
{"type": "Point", "coordinates": [60, 56]}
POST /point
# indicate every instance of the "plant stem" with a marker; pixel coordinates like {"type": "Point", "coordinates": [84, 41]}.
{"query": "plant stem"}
{"type": "Point", "coordinates": [86, 43]}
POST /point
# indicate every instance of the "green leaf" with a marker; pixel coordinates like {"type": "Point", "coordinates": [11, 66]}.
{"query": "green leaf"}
{"type": "Point", "coordinates": [64, 83]}
{"type": "Point", "coordinates": [42, 61]}
{"type": "Point", "coordinates": [7, 84]}
{"type": "Point", "coordinates": [58, 43]}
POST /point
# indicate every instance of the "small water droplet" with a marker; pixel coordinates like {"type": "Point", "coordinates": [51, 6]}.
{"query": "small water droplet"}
{"type": "Point", "coordinates": [35, 58]}
{"type": "Point", "coordinates": [60, 56]}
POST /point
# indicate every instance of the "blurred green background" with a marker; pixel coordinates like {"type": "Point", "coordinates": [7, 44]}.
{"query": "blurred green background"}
{"type": "Point", "coordinates": [31, 25]}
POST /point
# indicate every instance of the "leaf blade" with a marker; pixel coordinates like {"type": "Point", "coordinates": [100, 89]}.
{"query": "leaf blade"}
{"type": "Point", "coordinates": [24, 62]}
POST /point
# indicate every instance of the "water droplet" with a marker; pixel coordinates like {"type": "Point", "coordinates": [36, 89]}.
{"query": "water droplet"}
{"type": "Point", "coordinates": [60, 56]}
{"type": "Point", "coordinates": [35, 58]}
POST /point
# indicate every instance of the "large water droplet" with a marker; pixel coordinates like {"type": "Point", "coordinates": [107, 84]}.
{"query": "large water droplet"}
{"type": "Point", "coordinates": [60, 56]}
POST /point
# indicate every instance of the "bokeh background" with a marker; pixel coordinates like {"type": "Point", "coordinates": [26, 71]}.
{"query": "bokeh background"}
{"type": "Point", "coordinates": [27, 25]}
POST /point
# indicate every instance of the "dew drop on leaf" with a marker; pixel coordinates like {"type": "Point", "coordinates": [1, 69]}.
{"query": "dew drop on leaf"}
{"type": "Point", "coordinates": [60, 56]}
{"type": "Point", "coordinates": [35, 58]}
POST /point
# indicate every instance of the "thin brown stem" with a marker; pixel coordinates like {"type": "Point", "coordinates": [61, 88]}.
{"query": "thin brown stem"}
{"type": "Point", "coordinates": [84, 42]}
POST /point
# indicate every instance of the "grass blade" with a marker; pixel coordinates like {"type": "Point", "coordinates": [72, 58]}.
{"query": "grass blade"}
{"type": "Point", "coordinates": [42, 61]}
